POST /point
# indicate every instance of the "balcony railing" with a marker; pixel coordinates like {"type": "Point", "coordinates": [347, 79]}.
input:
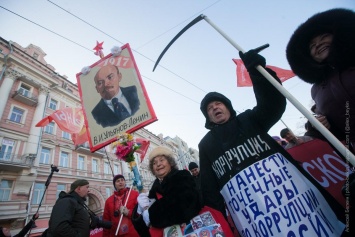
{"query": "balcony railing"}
{"type": "Point", "coordinates": [25, 96]}
{"type": "Point", "coordinates": [13, 209]}
{"type": "Point", "coordinates": [85, 148]}
{"type": "Point", "coordinates": [12, 158]}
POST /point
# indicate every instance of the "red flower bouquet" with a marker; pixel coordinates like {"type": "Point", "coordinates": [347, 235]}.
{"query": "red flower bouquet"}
{"type": "Point", "coordinates": [125, 147]}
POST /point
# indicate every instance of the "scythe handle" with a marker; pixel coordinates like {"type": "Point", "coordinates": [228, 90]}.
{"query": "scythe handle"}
{"type": "Point", "coordinates": [326, 133]}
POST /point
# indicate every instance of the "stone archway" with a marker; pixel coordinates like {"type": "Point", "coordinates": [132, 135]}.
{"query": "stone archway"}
{"type": "Point", "coordinates": [96, 201]}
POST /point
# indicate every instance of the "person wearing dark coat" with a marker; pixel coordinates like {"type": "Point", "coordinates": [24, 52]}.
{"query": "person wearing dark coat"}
{"type": "Point", "coordinates": [195, 171]}
{"type": "Point", "coordinates": [173, 198]}
{"type": "Point", "coordinates": [321, 52]}
{"type": "Point", "coordinates": [5, 232]}
{"type": "Point", "coordinates": [70, 217]}
{"type": "Point", "coordinates": [241, 167]}
{"type": "Point", "coordinates": [117, 103]}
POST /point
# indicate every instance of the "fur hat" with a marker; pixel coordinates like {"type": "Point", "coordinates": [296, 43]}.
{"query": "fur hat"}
{"type": "Point", "coordinates": [159, 151]}
{"type": "Point", "coordinates": [215, 96]}
{"type": "Point", "coordinates": [78, 183]}
{"type": "Point", "coordinates": [340, 23]}
{"type": "Point", "coordinates": [192, 165]}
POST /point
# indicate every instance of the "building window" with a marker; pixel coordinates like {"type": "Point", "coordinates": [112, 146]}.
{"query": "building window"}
{"type": "Point", "coordinates": [5, 190]}
{"type": "Point", "coordinates": [53, 104]}
{"type": "Point", "coordinates": [81, 160]}
{"type": "Point", "coordinates": [60, 187]}
{"type": "Point", "coordinates": [45, 153]}
{"type": "Point", "coordinates": [49, 128]}
{"type": "Point", "coordinates": [6, 149]}
{"type": "Point", "coordinates": [107, 168]}
{"type": "Point", "coordinates": [108, 192]}
{"type": "Point", "coordinates": [38, 192]}
{"type": "Point", "coordinates": [95, 166]}
{"type": "Point", "coordinates": [25, 90]}
{"type": "Point", "coordinates": [64, 159]}
{"type": "Point", "coordinates": [66, 135]}
{"type": "Point", "coordinates": [16, 115]}
{"type": "Point", "coordinates": [115, 169]}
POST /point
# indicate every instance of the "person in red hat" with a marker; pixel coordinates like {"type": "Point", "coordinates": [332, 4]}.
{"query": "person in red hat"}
{"type": "Point", "coordinates": [121, 202]}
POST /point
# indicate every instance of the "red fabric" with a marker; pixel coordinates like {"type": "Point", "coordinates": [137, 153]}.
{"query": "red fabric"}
{"type": "Point", "coordinates": [81, 137]}
{"type": "Point", "coordinates": [217, 215]}
{"type": "Point", "coordinates": [98, 232]}
{"type": "Point", "coordinates": [69, 120]}
{"type": "Point", "coordinates": [243, 78]}
{"type": "Point", "coordinates": [144, 146]}
{"type": "Point", "coordinates": [110, 207]}
{"type": "Point", "coordinates": [320, 160]}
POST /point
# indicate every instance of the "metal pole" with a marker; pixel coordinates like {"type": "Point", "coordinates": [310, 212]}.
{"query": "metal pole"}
{"type": "Point", "coordinates": [121, 217]}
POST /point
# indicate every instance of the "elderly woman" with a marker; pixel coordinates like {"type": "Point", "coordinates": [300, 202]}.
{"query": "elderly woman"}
{"type": "Point", "coordinates": [173, 198]}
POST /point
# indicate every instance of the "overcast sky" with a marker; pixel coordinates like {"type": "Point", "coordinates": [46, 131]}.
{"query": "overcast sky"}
{"type": "Point", "coordinates": [200, 61]}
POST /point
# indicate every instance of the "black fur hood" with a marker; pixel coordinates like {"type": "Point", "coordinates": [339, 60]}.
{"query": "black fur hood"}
{"type": "Point", "coordinates": [340, 23]}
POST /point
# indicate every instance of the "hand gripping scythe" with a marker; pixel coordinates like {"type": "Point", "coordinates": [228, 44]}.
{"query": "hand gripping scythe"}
{"type": "Point", "coordinates": [325, 132]}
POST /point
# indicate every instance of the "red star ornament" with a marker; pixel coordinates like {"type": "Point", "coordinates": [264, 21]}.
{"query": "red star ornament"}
{"type": "Point", "coordinates": [98, 47]}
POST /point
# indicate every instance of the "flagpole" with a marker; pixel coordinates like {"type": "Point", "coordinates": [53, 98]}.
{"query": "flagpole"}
{"type": "Point", "coordinates": [318, 125]}
{"type": "Point", "coordinates": [121, 217]}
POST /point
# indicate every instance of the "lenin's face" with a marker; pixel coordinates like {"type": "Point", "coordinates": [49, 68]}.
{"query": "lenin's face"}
{"type": "Point", "coordinates": [107, 81]}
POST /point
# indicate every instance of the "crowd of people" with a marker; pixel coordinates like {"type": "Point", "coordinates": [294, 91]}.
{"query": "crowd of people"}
{"type": "Point", "coordinates": [245, 174]}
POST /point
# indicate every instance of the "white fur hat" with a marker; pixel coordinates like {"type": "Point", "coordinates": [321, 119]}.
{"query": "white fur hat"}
{"type": "Point", "coordinates": [159, 151]}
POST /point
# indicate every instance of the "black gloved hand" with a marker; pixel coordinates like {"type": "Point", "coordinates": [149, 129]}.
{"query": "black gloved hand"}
{"type": "Point", "coordinates": [251, 59]}
{"type": "Point", "coordinates": [35, 216]}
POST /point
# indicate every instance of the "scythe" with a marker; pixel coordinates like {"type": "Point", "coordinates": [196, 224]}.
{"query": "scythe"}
{"type": "Point", "coordinates": [319, 126]}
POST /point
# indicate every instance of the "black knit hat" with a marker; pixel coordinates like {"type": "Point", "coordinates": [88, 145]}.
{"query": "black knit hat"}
{"type": "Point", "coordinates": [338, 22]}
{"type": "Point", "coordinates": [78, 183]}
{"type": "Point", "coordinates": [283, 132]}
{"type": "Point", "coordinates": [215, 96]}
{"type": "Point", "coordinates": [118, 176]}
{"type": "Point", "coordinates": [192, 165]}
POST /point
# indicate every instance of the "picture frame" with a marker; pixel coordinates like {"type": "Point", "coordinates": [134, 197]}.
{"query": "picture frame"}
{"type": "Point", "coordinates": [103, 121]}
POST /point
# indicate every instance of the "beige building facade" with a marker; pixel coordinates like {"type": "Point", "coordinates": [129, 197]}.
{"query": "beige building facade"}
{"type": "Point", "coordinates": [30, 90]}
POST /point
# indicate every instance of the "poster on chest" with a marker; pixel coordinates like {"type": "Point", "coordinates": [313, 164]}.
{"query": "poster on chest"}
{"type": "Point", "coordinates": [113, 98]}
{"type": "Point", "coordinates": [272, 197]}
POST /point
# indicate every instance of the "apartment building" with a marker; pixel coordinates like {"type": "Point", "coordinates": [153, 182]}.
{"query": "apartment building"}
{"type": "Point", "coordinates": [30, 89]}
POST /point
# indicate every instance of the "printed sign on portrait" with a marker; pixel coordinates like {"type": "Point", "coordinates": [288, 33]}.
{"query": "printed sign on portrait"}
{"type": "Point", "coordinates": [114, 99]}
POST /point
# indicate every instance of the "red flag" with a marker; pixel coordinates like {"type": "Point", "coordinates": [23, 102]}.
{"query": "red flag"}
{"type": "Point", "coordinates": [81, 137]}
{"type": "Point", "coordinates": [69, 120]}
{"type": "Point", "coordinates": [144, 143]}
{"type": "Point", "coordinates": [243, 78]}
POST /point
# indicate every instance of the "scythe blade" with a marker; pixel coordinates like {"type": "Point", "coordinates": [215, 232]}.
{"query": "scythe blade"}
{"type": "Point", "coordinates": [193, 22]}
